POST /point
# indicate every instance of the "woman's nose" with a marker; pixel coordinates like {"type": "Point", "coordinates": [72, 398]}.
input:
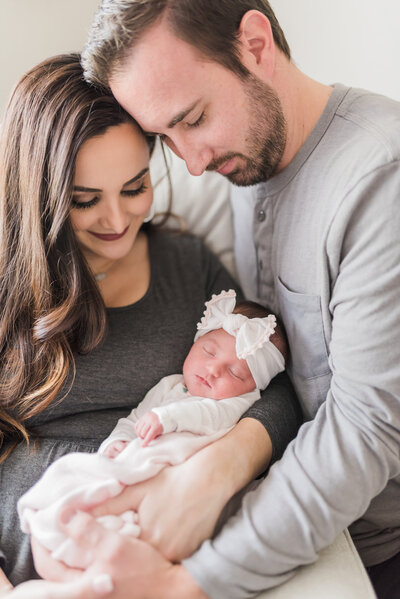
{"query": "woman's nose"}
{"type": "Point", "coordinates": [114, 217]}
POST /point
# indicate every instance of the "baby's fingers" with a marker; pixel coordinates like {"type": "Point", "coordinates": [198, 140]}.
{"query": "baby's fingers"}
{"type": "Point", "coordinates": [150, 435]}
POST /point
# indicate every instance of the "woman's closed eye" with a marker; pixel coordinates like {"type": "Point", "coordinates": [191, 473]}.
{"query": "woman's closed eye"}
{"type": "Point", "coordinates": [80, 204]}
{"type": "Point", "coordinates": [127, 193]}
{"type": "Point", "coordinates": [134, 192]}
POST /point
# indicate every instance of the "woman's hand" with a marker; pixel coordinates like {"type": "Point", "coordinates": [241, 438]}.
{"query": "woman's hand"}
{"type": "Point", "coordinates": [82, 587]}
{"type": "Point", "coordinates": [135, 569]}
{"type": "Point", "coordinates": [179, 508]}
{"type": "Point", "coordinates": [41, 589]}
{"type": "Point", "coordinates": [5, 584]}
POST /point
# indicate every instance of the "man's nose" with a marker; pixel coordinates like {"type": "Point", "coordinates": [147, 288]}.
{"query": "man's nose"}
{"type": "Point", "coordinates": [197, 158]}
{"type": "Point", "coordinates": [197, 161]}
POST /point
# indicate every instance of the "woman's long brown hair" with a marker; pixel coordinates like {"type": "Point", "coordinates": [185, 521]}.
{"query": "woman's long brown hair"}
{"type": "Point", "coordinates": [50, 305]}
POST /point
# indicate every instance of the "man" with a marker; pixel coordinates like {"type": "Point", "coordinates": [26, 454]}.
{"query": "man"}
{"type": "Point", "coordinates": [215, 80]}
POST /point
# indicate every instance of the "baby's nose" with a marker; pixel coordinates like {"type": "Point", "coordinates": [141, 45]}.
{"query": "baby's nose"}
{"type": "Point", "coordinates": [214, 369]}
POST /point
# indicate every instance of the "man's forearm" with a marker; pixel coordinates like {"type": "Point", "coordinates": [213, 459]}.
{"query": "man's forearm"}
{"type": "Point", "coordinates": [178, 584]}
{"type": "Point", "coordinates": [246, 451]}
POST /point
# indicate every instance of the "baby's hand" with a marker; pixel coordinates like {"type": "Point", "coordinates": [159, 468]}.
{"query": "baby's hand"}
{"type": "Point", "coordinates": [148, 427]}
{"type": "Point", "coordinates": [115, 449]}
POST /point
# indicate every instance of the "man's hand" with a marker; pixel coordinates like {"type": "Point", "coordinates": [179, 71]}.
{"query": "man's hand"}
{"type": "Point", "coordinates": [148, 427]}
{"type": "Point", "coordinates": [135, 569]}
{"type": "Point", "coordinates": [197, 491]}
{"type": "Point", "coordinates": [185, 520]}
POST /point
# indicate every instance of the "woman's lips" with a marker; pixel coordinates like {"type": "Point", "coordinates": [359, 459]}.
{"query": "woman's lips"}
{"type": "Point", "coordinates": [109, 236]}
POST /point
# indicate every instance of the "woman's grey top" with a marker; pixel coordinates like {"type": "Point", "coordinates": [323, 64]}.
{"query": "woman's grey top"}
{"type": "Point", "coordinates": [145, 342]}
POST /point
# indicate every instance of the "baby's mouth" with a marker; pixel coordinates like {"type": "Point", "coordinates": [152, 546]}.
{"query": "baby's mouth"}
{"type": "Point", "coordinates": [203, 381]}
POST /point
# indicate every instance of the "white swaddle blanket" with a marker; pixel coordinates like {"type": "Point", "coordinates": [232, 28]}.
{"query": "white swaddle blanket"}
{"type": "Point", "coordinates": [79, 481]}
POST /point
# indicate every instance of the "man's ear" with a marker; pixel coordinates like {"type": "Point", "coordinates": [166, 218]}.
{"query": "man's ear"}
{"type": "Point", "coordinates": [257, 42]}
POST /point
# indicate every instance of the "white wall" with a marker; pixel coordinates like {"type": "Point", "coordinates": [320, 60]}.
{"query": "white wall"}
{"type": "Point", "coordinates": [352, 41]}
{"type": "Point", "coordinates": [356, 42]}
{"type": "Point", "coordinates": [32, 30]}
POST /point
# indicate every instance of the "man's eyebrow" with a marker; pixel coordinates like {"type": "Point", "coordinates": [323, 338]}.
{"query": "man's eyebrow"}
{"type": "Point", "coordinates": [179, 117]}
{"type": "Point", "coordinates": [81, 188]}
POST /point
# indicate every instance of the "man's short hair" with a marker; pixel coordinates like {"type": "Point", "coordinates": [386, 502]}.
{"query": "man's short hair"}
{"type": "Point", "coordinates": [211, 26]}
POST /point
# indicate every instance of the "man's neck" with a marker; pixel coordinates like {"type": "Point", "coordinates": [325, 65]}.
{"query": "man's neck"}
{"type": "Point", "coordinates": [303, 102]}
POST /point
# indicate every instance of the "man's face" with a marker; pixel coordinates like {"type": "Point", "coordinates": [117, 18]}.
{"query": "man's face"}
{"type": "Point", "coordinates": [204, 112]}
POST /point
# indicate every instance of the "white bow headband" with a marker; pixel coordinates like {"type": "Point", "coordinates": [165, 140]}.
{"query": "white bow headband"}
{"type": "Point", "coordinates": [252, 336]}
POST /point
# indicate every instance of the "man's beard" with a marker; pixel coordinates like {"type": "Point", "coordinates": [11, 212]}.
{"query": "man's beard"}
{"type": "Point", "coordinates": [266, 138]}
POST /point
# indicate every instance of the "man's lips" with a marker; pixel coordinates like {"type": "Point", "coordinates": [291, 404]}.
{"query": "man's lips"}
{"type": "Point", "coordinates": [227, 167]}
{"type": "Point", "coordinates": [203, 381]}
{"type": "Point", "coordinates": [109, 236]}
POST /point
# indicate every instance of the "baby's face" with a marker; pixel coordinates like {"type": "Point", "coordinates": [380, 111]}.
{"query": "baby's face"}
{"type": "Point", "coordinates": [212, 368]}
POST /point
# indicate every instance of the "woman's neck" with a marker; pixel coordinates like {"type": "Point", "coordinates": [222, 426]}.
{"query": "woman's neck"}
{"type": "Point", "coordinates": [126, 280]}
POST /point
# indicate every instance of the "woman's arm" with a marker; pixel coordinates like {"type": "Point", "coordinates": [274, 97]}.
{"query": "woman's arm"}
{"type": "Point", "coordinates": [135, 569]}
{"type": "Point", "coordinates": [5, 584]}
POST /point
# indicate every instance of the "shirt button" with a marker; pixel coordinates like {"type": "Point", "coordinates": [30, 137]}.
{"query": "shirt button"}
{"type": "Point", "coordinates": [261, 216]}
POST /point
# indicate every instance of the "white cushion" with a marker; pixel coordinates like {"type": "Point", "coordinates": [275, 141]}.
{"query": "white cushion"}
{"type": "Point", "coordinates": [338, 574]}
{"type": "Point", "coordinates": [202, 202]}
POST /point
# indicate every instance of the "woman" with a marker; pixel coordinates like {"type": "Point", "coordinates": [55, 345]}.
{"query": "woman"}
{"type": "Point", "coordinates": [97, 306]}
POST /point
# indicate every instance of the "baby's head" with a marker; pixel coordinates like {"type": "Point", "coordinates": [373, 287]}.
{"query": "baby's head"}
{"type": "Point", "coordinates": [237, 348]}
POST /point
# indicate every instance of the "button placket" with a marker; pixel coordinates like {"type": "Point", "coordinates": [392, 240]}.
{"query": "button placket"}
{"type": "Point", "coordinates": [263, 229]}
{"type": "Point", "coordinates": [261, 215]}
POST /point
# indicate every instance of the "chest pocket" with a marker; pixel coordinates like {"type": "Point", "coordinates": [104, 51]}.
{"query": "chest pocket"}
{"type": "Point", "coordinates": [308, 365]}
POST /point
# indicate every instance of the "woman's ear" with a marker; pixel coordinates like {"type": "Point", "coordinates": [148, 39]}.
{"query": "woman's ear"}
{"type": "Point", "coordinates": [257, 43]}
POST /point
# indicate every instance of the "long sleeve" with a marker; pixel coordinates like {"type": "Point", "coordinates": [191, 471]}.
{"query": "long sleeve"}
{"type": "Point", "coordinates": [346, 460]}
{"type": "Point", "coordinates": [125, 427]}
{"type": "Point", "coordinates": [204, 415]}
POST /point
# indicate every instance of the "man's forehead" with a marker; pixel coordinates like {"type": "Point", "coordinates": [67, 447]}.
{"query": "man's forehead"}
{"type": "Point", "coordinates": [154, 107]}
{"type": "Point", "coordinates": [159, 78]}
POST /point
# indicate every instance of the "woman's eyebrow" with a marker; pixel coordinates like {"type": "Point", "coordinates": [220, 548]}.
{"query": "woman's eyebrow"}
{"type": "Point", "coordinates": [83, 189]}
{"type": "Point", "coordinates": [138, 176]}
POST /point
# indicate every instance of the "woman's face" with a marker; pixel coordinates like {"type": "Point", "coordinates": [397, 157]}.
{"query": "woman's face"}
{"type": "Point", "coordinates": [112, 192]}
